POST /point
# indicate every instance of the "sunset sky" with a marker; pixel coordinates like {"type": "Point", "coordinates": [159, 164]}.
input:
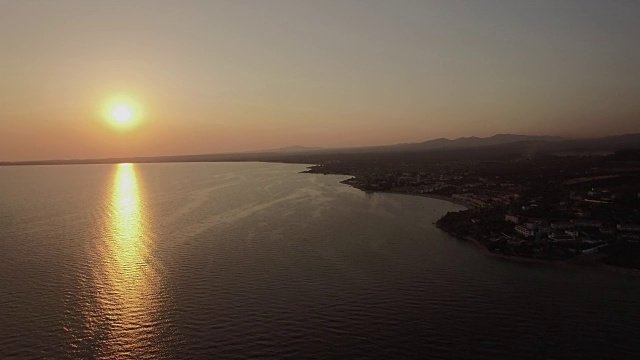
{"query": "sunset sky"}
{"type": "Point", "coordinates": [221, 76]}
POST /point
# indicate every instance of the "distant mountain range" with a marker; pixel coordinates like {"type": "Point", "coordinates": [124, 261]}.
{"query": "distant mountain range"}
{"type": "Point", "coordinates": [543, 144]}
{"type": "Point", "coordinates": [441, 143]}
{"type": "Point", "coordinates": [293, 149]}
{"type": "Point", "coordinates": [467, 142]}
{"type": "Point", "coordinates": [500, 146]}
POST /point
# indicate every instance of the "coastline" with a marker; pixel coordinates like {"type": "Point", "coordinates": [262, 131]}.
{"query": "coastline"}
{"type": "Point", "coordinates": [487, 252]}
{"type": "Point", "coordinates": [570, 262]}
{"type": "Point", "coordinates": [427, 195]}
{"type": "Point", "coordinates": [437, 197]}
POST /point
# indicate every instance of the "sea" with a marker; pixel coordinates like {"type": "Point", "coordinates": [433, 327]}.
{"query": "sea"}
{"type": "Point", "coordinates": [259, 260]}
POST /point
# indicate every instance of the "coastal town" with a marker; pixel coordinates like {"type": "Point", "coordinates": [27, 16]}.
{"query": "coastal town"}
{"type": "Point", "coordinates": [581, 209]}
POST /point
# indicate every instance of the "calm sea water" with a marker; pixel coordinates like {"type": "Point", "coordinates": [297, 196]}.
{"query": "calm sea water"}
{"type": "Point", "coordinates": [250, 260]}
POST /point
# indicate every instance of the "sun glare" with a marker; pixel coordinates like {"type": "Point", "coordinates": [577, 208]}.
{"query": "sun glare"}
{"type": "Point", "coordinates": [122, 113]}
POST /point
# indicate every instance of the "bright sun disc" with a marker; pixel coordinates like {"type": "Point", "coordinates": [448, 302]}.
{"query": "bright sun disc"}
{"type": "Point", "coordinates": [122, 113]}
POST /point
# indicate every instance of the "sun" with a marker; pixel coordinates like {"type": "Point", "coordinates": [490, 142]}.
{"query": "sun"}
{"type": "Point", "coordinates": [122, 112]}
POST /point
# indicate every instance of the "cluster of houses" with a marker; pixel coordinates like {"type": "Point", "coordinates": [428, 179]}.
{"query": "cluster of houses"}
{"type": "Point", "coordinates": [477, 192]}
{"type": "Point", "coordinates": [487, 194]}
{"type": "Point", "coordinates": [587, 231]}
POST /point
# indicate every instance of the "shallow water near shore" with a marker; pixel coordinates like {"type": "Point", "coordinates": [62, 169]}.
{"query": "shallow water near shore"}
{"type": "Point", "coordinates": [245, 260]}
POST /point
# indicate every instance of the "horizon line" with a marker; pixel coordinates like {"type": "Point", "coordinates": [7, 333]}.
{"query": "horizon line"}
{"type": "Point", "coordinates": [273, 151]}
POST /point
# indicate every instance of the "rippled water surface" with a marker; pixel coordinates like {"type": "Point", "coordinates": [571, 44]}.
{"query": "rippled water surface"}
{"type": "Point", "coordinates": [250, 260]}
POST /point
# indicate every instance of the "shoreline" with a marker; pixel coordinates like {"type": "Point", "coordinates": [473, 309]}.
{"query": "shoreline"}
{"type": "Point", "coordinates": [570, 262]}
{"type": "Point", "coordinates": [437, 197]}
{"type": "Point", "coordinates": [518, 259]}
{"type": "Point", "coordinates": [427, 195]}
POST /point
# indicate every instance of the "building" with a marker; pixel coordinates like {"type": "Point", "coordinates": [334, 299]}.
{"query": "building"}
{"type": "Point", "coordinates": [524, 231]}
{"type": "Point", "coordinates": [512, 218]}
{"type": "Point", "coordinates": [561, 236]}
{"type": "Point", "coordinates": [562, 225]}
{"type": "Point", "coordinates": [629, 227]}
{"type": "Point", "coordinates": [587, 223]}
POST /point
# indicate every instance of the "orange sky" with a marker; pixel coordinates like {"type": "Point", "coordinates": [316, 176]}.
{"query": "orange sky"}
{"type": "Point", "coordinates": [220, 76]}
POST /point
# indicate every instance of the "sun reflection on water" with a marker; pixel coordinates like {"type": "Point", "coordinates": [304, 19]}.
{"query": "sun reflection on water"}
{"type": "Point", "coordinates": [129, 288]}
{"type": "Point", "coordinates": [127, 233]}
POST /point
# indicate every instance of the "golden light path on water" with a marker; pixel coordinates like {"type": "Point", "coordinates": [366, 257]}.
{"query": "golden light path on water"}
{"type": "Point", "coordinates": [129, 291]}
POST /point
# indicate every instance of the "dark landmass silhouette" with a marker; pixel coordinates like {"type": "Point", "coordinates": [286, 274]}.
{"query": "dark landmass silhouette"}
{"type": "Point", "coordinates": [497, 147]}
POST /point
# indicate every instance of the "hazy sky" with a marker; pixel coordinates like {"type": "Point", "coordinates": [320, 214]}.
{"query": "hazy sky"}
{"type": "Point", "coordinates": [214, 76]}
